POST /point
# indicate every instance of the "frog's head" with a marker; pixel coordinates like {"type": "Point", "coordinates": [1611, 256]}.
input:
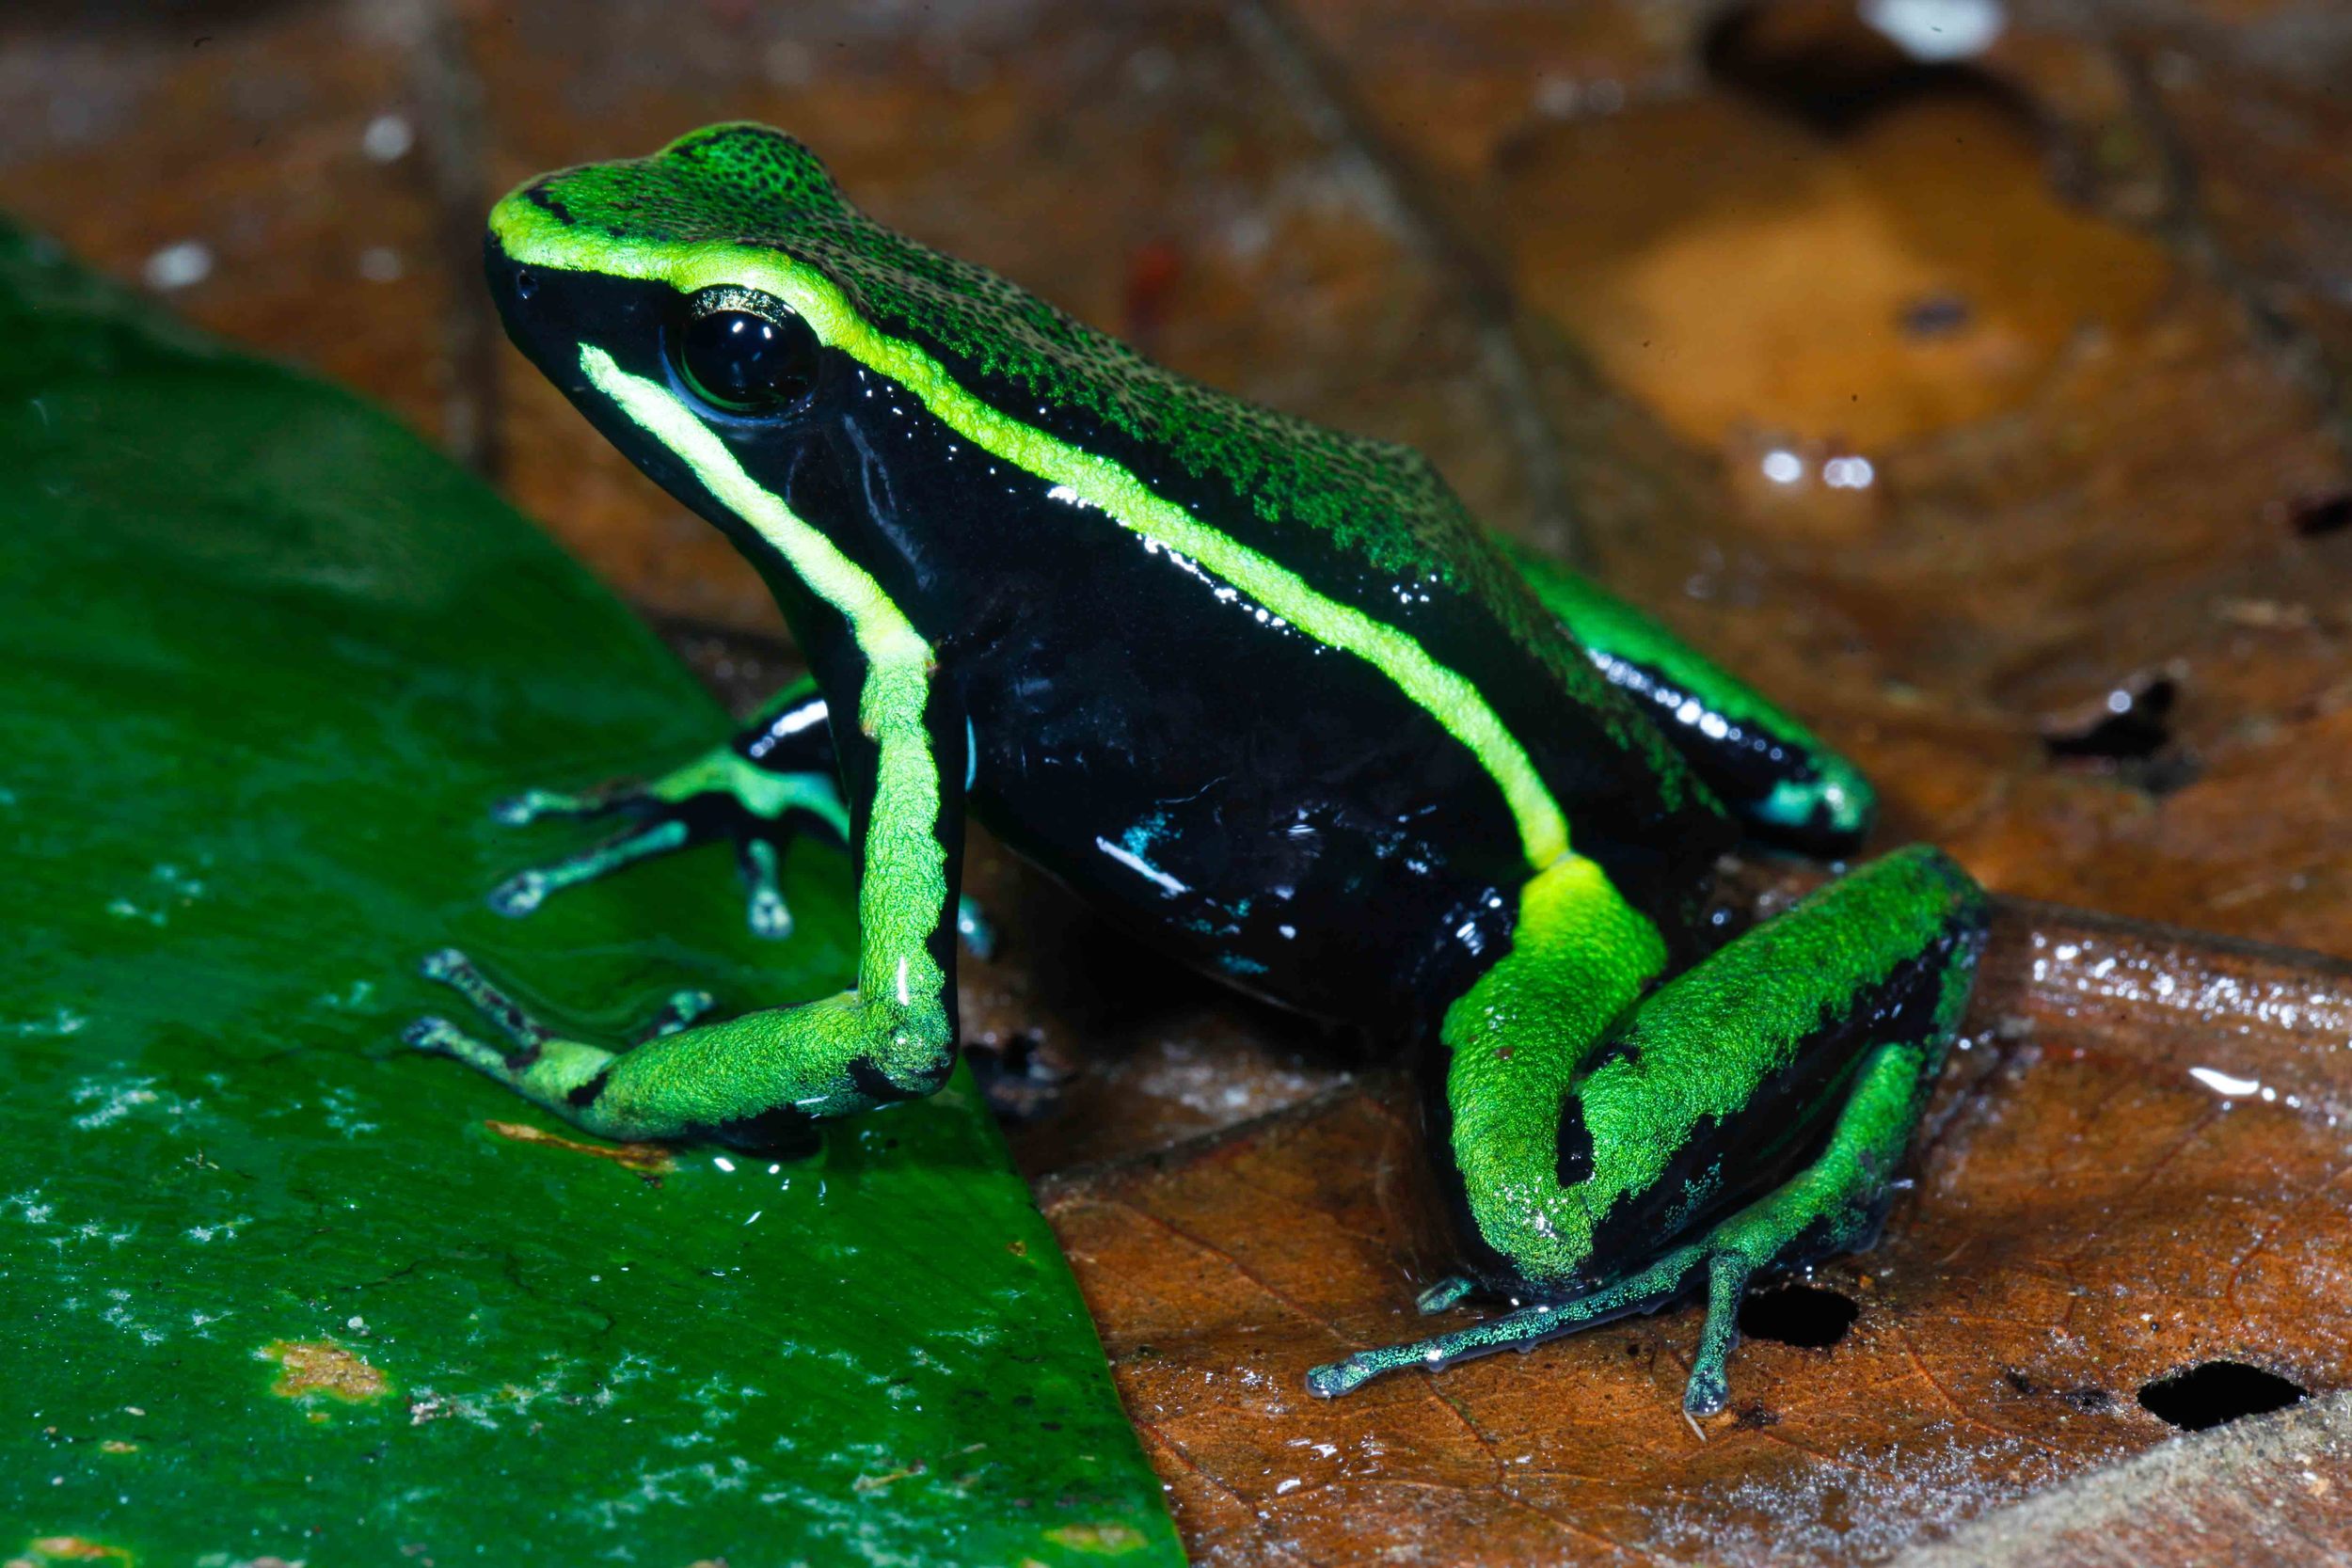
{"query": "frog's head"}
{"type": "Point", "coordinates": [674, 300]}
{"type": "Point", "coordinates": [719, 312]}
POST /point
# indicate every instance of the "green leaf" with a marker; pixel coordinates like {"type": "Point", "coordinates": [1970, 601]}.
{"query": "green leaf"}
{"type": "Point", "coordinates": [272, 1285]}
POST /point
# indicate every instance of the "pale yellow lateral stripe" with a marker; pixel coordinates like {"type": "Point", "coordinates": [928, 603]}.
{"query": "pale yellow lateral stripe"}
{"type": "Point", "coordinates": [532, 235]}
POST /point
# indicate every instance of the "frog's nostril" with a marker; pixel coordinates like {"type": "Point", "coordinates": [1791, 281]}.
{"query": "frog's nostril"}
{"type": "Point", "coordinates": [526, 283]}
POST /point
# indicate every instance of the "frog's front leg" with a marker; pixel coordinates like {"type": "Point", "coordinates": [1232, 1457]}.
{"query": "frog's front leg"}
{"type": "Point", "coordinates": [772, 782]}
{"type": "Point", "coordinates": [752, 1079]}
{"type": "Point", "coordinates": [1748, 1115]}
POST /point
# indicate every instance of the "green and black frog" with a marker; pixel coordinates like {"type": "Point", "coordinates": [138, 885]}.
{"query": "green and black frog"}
{"type": "Point", "coordinates": [1260, 691]}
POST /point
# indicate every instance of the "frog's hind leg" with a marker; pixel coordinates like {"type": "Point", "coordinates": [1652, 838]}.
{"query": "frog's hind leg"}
{"type": "Point", "coordinates": [1832, 1206]}
{"type": "Point", "coordinates": [1773, 773]}
{"type": "Point", "coordinates": [1835, 1205]}
{"type": "Point", "coordinates": [1749, 1114]}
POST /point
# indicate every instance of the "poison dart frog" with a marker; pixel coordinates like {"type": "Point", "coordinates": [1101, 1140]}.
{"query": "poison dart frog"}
{"type": "Point", "coordinates": [1262, 692]}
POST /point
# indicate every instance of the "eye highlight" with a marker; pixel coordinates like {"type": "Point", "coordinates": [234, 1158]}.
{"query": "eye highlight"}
{"type": "Point", "coordinates": [744, 351]}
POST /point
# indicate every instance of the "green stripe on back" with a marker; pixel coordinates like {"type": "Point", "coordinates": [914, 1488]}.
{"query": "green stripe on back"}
{"type": "Point", "coordinates": [533, 234]}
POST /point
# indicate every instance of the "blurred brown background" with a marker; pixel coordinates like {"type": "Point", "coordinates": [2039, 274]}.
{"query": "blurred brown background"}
{"type": "Point", "coordinates": [1974, 376]}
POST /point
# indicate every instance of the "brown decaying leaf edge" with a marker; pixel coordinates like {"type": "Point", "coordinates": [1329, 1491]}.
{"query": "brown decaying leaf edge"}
{"type": "Point", "coordinates": [651, 1161]}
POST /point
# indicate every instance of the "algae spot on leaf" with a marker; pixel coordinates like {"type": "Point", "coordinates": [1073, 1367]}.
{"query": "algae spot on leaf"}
{"type": "Point", "coordinates": [307, 1367]}
{"type": "Point", "coordinates": [1098, 1540]}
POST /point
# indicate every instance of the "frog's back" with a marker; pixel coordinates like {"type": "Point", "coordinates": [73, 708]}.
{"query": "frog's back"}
{"type": "Point", "coordinates": [1362, 524]}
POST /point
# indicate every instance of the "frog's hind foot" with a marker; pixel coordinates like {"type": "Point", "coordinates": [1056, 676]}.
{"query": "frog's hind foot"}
{"type": "Point", "coordinates": [519, 811]}
{"type": "Point", "coordinates": [719, 794]}
{"type": "Point", "coordinates": [1832, 1206]}
{"type": "Point", "coordinates": [1523, 1330]}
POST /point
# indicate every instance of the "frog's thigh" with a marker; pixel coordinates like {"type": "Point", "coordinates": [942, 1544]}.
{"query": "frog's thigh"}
{"type": "Point", "coordinates": [1748, 1113]}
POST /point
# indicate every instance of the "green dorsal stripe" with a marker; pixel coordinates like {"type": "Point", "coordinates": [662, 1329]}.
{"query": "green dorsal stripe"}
{"type": "Point", "coordinates": [534, 236]}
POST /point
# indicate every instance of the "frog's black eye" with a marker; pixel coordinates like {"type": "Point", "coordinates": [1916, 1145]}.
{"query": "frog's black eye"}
{"type": "Point", "coordinates": [745, 352]}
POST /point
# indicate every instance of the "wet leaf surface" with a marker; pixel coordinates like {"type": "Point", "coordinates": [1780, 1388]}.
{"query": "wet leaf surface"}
{"type": "Point", "coordinates": [275, 1290]}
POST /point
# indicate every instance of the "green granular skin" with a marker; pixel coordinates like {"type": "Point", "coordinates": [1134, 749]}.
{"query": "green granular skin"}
{"type": "Point", "coordinates": [1703, 1042]}
{"type": "Point", "coordinates": [736, 186]}
{"type": "Point", "coordinates": [1580, 956]}
{"type": "Point", "coordinates": [1601, 620]}
{"type": "Point", "coordinates": [750, 186]}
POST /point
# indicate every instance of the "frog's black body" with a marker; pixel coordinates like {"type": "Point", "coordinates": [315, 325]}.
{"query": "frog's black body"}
{"type": "Point", "coordinates": [1285, 787]}
{"type": "Point", "coordinates": [1262, 692]}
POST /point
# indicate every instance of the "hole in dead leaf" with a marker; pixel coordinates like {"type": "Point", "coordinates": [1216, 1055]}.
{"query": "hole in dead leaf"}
{"type": "Point", "coordinates": [2327, 513]}
{"type": "Point", "coordinates": [1807, 1316]}
{"type": "Point", "coordinates": [2127, 731]}
{"type": "Point", "coordinates": [2215, 1392]}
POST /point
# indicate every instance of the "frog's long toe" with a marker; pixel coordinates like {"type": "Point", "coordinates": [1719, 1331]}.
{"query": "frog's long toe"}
{"type": "Point", "coordinates": [1708, 1389]}
{"type": "Point", "coordinates": [524, 892]}
{"type": "Point", "coordinates": [764, 908]}
{"type": "Point", "coordinates": [541, 1063]}
{"type": "Point", "coordinates": [443, 1038]}
{"type": "Point", "coordinates": [1523, 1330]}
{"type": "Point", "coordinates": [457, 972]}
{"type": "Point", "coordinates": [597, 801]}
{"type": "Point", "coordinates": [1446, 1293]}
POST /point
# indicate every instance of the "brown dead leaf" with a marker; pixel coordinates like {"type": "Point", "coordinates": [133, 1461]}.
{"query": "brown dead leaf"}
{"type": "Point", "coordinates": [2134, 1168]}
{"type": "Point", "coordinates": [651, 1161]}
